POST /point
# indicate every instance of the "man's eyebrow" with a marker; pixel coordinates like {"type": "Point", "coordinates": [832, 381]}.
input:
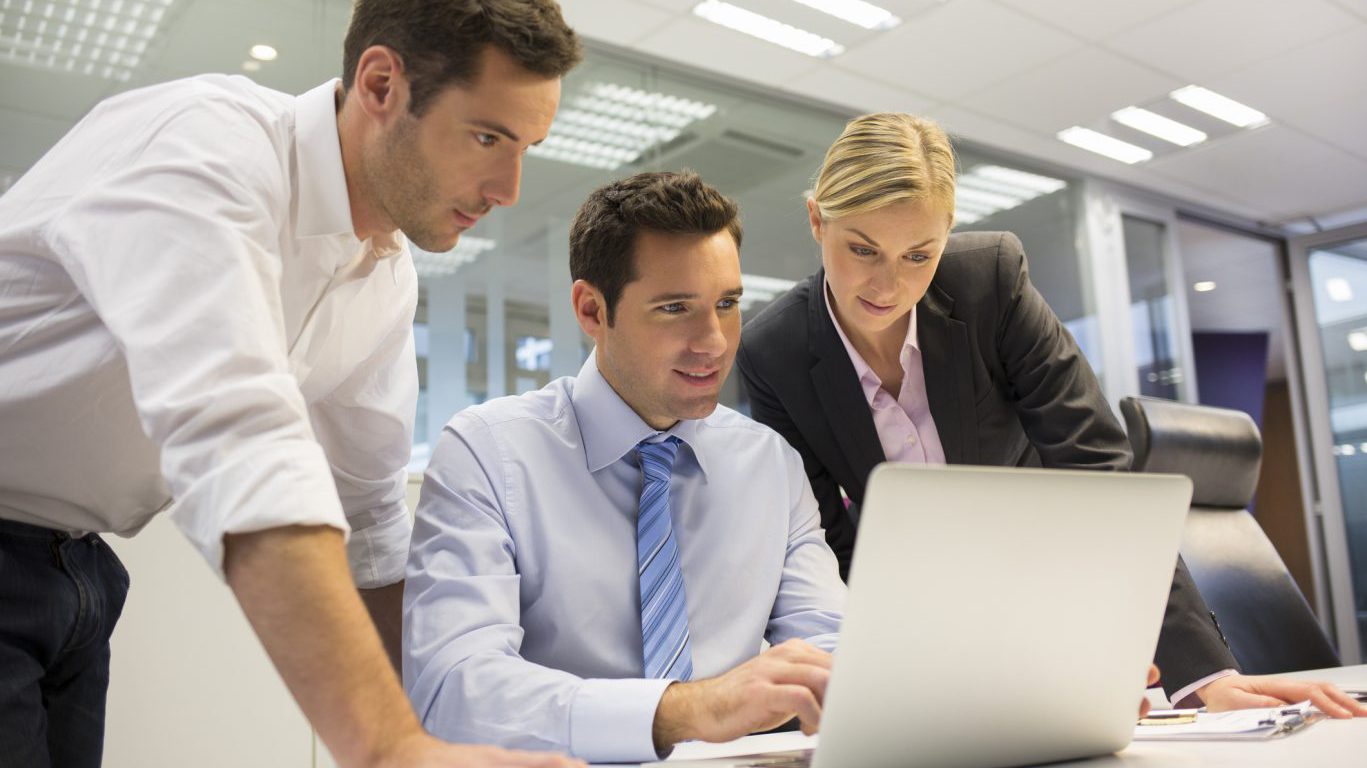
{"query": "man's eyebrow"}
{"type": "Point", "coordinates": [668, 297]}
{"type": "Point", "coordinates": [498, 128]}
{"type": "Point", "coordinates": [873, 242]}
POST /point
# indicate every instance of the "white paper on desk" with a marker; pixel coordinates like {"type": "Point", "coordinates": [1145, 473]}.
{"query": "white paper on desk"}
{"type": "Point", "coordinates": [1240, 724]}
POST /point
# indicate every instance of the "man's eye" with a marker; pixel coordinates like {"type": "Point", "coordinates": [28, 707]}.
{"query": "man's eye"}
{"type": "Point", "coordinates": [486, 139]}
{"type": "Point", "coordinates": [672, 309]}
{"type": "Point", "coordinates": [728, 303]}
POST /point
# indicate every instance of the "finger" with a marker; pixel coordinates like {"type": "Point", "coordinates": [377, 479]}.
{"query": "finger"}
{"type": "Point", "coordinates": [1154, 675]}
{"type": "Point", "coordinates": [1326, 704]}
{"type": "Point", "coordinates": [1353, 707]}
{"type": "Point", "coordinates": [1144, 706]}
{"type": "Point", "coordinates": [800, 702]}
{"type": "Point", "coordinates": [802, 651]}
{"type": "Point", "coordinates": [813, 678]}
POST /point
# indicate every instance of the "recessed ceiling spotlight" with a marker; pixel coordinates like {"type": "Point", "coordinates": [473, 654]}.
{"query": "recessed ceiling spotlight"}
{"type": "Point", "coordinates": [857, 12]}
{"type": "Point", "coordinates": [770, 30]}
{"type": "Point", "coordinates": [1100, 143]}
{"type": "Point", "coordinates": [263, 52]}
{"type": "Point", "coordinates": [1154, 124]}
{"type": "Point", "coordinates": [1204, 286]}
{"type": "Point", "coordinates": [1222, 107]}
{"type": "Point", "coordinates": [1339, 289]}
{"type": "Point", "coordinates": [1358, 340]}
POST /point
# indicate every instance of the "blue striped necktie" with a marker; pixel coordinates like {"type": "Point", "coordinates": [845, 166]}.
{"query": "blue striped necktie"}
{"type": "Point", "coordinates": [664, 609]}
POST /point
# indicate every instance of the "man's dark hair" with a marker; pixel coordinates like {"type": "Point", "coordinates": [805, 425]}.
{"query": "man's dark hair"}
{"type": "Point", "coordinates": [603, 235]}
{"type": "Point", "coordinates": [440, 41]}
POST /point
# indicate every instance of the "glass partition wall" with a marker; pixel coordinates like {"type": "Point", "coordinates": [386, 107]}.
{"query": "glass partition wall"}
{"type": "Point", "coordinates": [494, 316]}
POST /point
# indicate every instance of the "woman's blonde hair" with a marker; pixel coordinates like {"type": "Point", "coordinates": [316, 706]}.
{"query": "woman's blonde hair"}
{"type": "Point", "coordinates": [885, 158]}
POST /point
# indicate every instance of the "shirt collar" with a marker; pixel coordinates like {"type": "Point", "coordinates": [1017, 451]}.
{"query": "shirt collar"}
{"type": "Point", "coordinates": [610, 428]}
{"type": "Point", "coordinates": [324, 207]}
{"type": "Point", "coordinates": [868, 380]}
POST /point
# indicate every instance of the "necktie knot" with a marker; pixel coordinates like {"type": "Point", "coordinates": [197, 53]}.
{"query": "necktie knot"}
{"type": "Point", "coordinates": [657, 459]}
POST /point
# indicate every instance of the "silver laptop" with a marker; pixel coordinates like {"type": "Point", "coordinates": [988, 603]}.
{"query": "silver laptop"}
{"type": "Point", "coordinates": [997, 617]}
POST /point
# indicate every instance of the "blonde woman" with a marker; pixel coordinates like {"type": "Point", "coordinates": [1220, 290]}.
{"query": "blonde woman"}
{"type": "Point", "coordinates": [913, 344]}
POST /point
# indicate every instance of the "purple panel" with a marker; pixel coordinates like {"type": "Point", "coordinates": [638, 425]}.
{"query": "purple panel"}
{"type": "Point", "coordinates": [1231, 371]}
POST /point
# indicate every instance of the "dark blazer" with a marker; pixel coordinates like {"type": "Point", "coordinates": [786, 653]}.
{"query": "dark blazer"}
{"type": "Point", "coordinates": [1007, 386]}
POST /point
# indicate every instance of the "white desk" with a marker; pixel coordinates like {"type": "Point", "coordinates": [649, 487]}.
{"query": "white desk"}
{"type": "Point", "coordinates": [1336, 743]}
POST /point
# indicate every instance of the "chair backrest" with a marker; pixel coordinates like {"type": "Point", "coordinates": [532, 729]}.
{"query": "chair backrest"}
{"type": "Point", "coordinates": [1265, 618]}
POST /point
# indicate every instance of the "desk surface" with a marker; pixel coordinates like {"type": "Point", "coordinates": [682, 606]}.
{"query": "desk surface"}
{"type": "Point", "coordinates": [1328, 743]}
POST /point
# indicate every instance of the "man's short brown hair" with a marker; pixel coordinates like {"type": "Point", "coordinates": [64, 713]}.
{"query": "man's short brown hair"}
{"type": "Point", "coordinates": [440, 41]}
{"type": "Point", "coordinates": [604, 232]}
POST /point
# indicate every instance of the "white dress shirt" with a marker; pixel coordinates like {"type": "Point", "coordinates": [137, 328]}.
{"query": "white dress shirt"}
{"type": "Point", "coordinates": [186, 314]}
{"type": "Point", "coordinates": [522, 621]}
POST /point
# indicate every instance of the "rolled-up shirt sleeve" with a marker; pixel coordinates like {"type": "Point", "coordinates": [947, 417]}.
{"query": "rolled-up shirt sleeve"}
{"type": "Point", "coordinates": [366, 427]}
{"type": "Point", "coordinates": [811, 595]}
{"type": "Point", "coordinates": [178, 255]}
{"type": "Point", "coordinates": [462, 635]}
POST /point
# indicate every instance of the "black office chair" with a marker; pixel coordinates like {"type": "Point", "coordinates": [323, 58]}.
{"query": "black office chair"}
{"type": "Point", "coordinates": [1265, 618]}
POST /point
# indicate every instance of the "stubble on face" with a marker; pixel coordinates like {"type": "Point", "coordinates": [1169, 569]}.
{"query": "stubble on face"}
{"type": "Point", "coordinates": [405, 187]}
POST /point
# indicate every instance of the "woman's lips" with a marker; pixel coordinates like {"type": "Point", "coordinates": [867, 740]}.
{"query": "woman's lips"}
{"type": "Point", "coordinates": [876, 309]}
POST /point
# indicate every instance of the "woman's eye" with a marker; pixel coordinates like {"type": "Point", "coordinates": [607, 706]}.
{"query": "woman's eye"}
{"type": "Point", "coordinates": [860, 250]}
{"type": "Point", "coordinates": [919, 258]}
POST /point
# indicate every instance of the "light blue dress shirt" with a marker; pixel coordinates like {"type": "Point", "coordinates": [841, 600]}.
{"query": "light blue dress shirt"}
{"type": "Point", "coordinates": [521, 610]}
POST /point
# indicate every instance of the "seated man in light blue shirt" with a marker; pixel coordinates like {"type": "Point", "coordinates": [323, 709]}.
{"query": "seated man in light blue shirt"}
{"type": "Point", "coordinates": [594, 564]}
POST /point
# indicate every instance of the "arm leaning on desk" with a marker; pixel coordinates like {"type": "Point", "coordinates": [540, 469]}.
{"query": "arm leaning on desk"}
{"type": "Point", "coordinates": [1327, 744]}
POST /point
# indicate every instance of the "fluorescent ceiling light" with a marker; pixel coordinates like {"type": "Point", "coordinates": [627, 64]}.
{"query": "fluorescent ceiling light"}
{"type": "Point", "coordinates": [606, 126]}
{"type": "Point", "coordinates": [857, 12]}
{"type": "Point", "coordinates": [1042, 185]}
{"type": "Point", "coordinates": [1100, 143]}
{"type": "Point", "coordinates": [468, 248]}
{"type": "Point", "coordinates": [1223, 107]}
{"type": "Point", "coordinates": [1339, 289]}
{"type": "Point", "coordinates": [770, 30]}
{"type": "Point", "coordinates": [1358, 340]}
{"type": "Point", "coordinates": [263, 52]}
{"type": "Point", "coordinates": [1204, 286]}
{"type": "Point", "coordinates": [99, 38]}
{"type": "Point", "coordinates": [758, 288]}
{"type": "Point", "coordinates": [1155, 124]}
{"type": "Point", "coordinates": [988, 189]}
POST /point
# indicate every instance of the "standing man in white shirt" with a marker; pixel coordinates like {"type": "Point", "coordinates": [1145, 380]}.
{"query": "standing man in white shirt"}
{"type": "Point", "coordinates": [595, 563]}
{"type": "Point", "coordinates": [206, 307]}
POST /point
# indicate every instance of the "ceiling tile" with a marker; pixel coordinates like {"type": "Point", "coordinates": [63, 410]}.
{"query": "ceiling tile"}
{"type": "Point", "coordinates": [958, 47]}
{"type": "Point", "coordinates": [1279, 170]}
{"type": "Point", "coordinates": [619, 22]}
{"type": "Point", "coordinates": [1092, 20]}
{"type": "Point", "coordinates": [1309, 76]}
{"type": "Point", "coordinates": [1212, 37]}
{"type": "Point", "coordinates": [698, 43]}
{"type": "Point", "coordinates": [1079, 88]}
{"type": "Point", "coordinates": [833, 85]}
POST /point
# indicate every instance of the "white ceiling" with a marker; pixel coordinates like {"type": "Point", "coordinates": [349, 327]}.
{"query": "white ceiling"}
{"type": "Point", "coordinates": [1012, 73]}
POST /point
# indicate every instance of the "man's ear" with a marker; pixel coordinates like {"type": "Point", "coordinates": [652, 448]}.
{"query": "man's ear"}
{"type": "Point", "coordinates": [381, 84]}
{"type": "Point", "coordinates": [590, 309]}
{"type": "Point", "coordinates": [814, 218]}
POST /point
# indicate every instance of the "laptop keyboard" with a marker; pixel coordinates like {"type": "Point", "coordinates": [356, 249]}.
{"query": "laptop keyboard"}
{"type": "Point", "coordinates": [801, 758]}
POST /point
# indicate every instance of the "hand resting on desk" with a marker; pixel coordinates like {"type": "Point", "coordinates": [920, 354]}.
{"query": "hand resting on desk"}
{"type": "Point", "coordinates": [1250, 691]}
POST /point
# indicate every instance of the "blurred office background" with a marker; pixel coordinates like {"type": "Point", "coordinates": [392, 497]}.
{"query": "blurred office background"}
{"type": "Point", "coordinates": [1225, 264]}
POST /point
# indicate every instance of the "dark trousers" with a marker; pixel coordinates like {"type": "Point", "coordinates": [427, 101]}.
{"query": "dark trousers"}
{"type": "Point", "coordinates": [59, 600]}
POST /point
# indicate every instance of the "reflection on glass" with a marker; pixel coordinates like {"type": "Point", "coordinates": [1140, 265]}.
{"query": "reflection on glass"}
{"type": "Point", "coordinates": [1339, 282]}
{"type": "Point", "coordinates": [1151, 309]}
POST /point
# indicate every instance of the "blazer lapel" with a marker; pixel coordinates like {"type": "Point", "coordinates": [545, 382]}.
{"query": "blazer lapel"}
{"type": "Point", "coordinates": [949, 376]}
{"type": "Point", "coordinates": [837, 387]}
